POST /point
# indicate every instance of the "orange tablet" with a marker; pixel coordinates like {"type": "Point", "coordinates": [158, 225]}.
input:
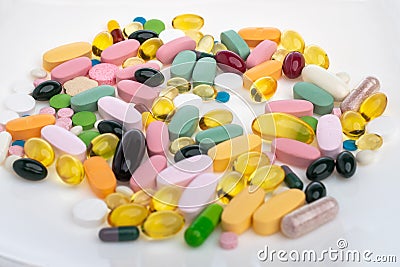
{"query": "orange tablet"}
{"type": "Point", "coordinates": [272, 68]}
{"type": "Point", "coordinates": [28, 127]}
{"type": "Point", "coordinates": [63, 53]}
{"type": "Point", "coordinates": [101, 178]}
{"type": "Point", "coordinates": [255, 35]}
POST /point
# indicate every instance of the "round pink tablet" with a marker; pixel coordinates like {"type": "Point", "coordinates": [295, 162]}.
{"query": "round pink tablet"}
{"type": "Point", "coordinates": [16, 150]}
{"type": "Point", "coordinates": [157, 138]}
{"type": "Point", "coordinates": [138, 93]}
{"type": "Point", "coordinates": [294, 152]}
{"type": "Point", "coordinates": [65, 113]}
{"type": "Point", "coordinates": [65, 123]}
{"type": "Point", "coordinates": [295, 107]}
{"type": "Point", "coordinates": [167, 52]}
{"type": "Point", "coordinates": [145, 176]}
{"type": "Point", "coordinates": [329, 135]}
{"type": "Point", "coordinates": [262, 52]}
{"type": "Point", "coordinates": [129, 72]}
{"type": "Point", "coordinates": [228, 240]}
{"type": "Point", "coordinates": [119, 52]}
{"type": "Point", "coordinates": [48, 110]}
{"type": "Point", "coordinates": [103, 73]}
{"type": "Point", "coordinates": [71, 69]}
{"type": "Point", "coordinates": [36, 82]}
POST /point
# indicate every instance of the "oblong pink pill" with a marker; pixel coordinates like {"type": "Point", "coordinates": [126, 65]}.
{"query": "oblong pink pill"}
{"type": "Point", "coordinates": [119, 52]}
{"type": "Point", "coordinates": [262, 52]}
{"type": "Point", "coordinates": [64, 142]}
{"type": "Point", "coordinates": [157, 138]}
{"type": "Point", "coordinates": [167, 52]}
{"type": "Point", "coordinates": [129, 72]}
{"type": "Point", "coordinates": [71, 69]}
{"type": "Point", "coordinates": [184, 171]}
{"type": "Point", "coordinates": [295, 107]}
{"type": "Point", "coordinates": [138, 93]}
{"type": "Point", "coordinates": [145, 176]}
{"type": "Point", "coordinates": [294, 152]}
{"type": "Point", "coordinates": [329, 135]}
{"type": "Point", "coordinates": [111, 108]}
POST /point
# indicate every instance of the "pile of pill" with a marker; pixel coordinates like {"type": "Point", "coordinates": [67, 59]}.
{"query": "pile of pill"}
{"type": "Point", "coordinates": [124, 113]}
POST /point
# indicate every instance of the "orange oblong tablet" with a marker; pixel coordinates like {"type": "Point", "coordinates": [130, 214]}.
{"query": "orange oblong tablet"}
{"type": "Point", "coordinates": [28, 127]}
{"type": "Point", "coordinates": [54, 57]}
{"type": "Point", "coordinates": [272, 68]}
{"type": "Point", "coordinates": [255, 35]}
{"type": "Point", "coordinates": [101, 178]}
{"type": "Point", "coordinates": [237, 215]}
{"type": "Point", "coordinates": [267, 218]}
{"type": "Point", "coordinates": [226, 152]}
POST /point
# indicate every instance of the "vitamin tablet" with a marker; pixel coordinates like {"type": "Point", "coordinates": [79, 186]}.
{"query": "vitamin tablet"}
{"type": "Point", "coordinates": [103, 145]}
{"type": "Point", "coordinates": [40, 150]}
{"type": "Point", "coordinates": [163, 109]}
{"type": "Point", "coordinates": [229, 61]}
{"type": "Point", "coordinates": [89, 212]}
{"type": "Point", "coordinates": [292, 41]}
{"type": "Point", "coordinates": [353, 124]}
{"type": "Point", "coordinates": [30, 169]}
{"type": "Point", "coordinates": [373, 106]}
{"type": "Point", "coordinates": [294, 152]}
{"type": "Point", "coordinates": [183, 64]}
{"type": "Point", "coordinates": [86, 119]}
{"type": "Point", "coordinates": [71, 69]}
{"type": "Point", "coordinates": [295, 107]}
{"type": "Point", "coordinates": [87, 100]}
{"type": "Point", "coordinates": [320, 168]}
{"type": "Point", "coordinates": [111, 108]}
{"type": "Point", "coordinates": [167, 52]}
{"type": "Point", "coordinates": [329, 135]}
{"type": "Point", "coordinates": [22, 104]}
{"type": "Point", "coordinates": [254, 35]}
{"type": "Point", "coordinates": [16, 150]}
{"type": "Point", "coordinates": [322, 101]}
{"type": "Point", "coordinates": [188, 22]}
{"type": "Point", "coordinates": [365, 157]}
{"type": "Point", "coordinates": [78, 85]}
{"type": "Point", "coordinates": [291, 179]}
{"type": "Point", "coordinates": [88, 136]}
{"type": "Point", "coordinates": [163, 224]}
{"type": "Point", "coordinates": [28, 127]}
{"type": "Point", "coordinates": [63, 53]}
{"type": "Point", "coordinates": [346, 164]}
{"type": "Point", "coordinates": [128, 73]}
{"type": "Point", "coordinates": [180, 143]}
{"type": "Point", "coordinates": [117, 53]}
{"type": "Point", "coordinates": [228, 240]}
{"type": "Point", "coordinates": [271, 68]}
{"type": "Point", "coordinates": [249, 162]}
{"type": "Point", "coordinates": [145, 175]}
{"type": "Point", "coordinates": [184, 122]}
{"type": "Point", "coordinates": [166, 198]}
{"type": "Point", "coordinates": [157, 138]}
{"type": "Point", "coordinates": [204, 71]}
{"type": "Point", "coordinates": [119, 234]}
{"type": "Point", "coordinates": [155, 25]}
{"type": "Point", "coordinates": [263, 89]}
{"type": "Point", "coordinates": [268, 177]}
{"type": "Point", "coordinates": [107, 126]}
{"type": "Point", "coordinates": [229, 185]}
{"type": "Point", "coordinates": [315, 55]}
{"type": "Point", "coordinates": [235, 43]}
{"type": "Point", "coordinates": [38, 73]}
{"type": "Point", "coordinates": [125, 190]}
{"type": "Point", "coordinates": [262, 52]}
{"type": "Point", "coordinates": [170, 35]}
{"type": "Point", "coordinates": [369, 142]}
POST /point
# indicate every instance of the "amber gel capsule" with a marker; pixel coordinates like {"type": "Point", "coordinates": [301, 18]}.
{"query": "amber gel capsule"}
{"type": "Point", "coordinates": [115, 30]}
{"type": "Point", "coordinates": [118, 234]}
{"type": "Point", "coordinates": [203, 225]}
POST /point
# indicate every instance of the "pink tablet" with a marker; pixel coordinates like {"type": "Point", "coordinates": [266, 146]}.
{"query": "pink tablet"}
{"type": "Point", "coordinates": [294, 152]}
{"type": "Point", "coordinates": [103, 73]}
{"type": "Point", "coordinates": [157, 138]}
{"type": "Point", "coordinates": [167, 52]}
{"type": "Point", "coordinates": [295, 107]}
{"type": "Point", "coordinates": [145, 176]}
{"type": "Point", "coordinates": [329, 135]}
{"type": "Point", "coordinates": [262, 52]}
{"type": "Point", "coordinates": [71, 69]}
{"type": "Point", "coordinates": [129, 72]}
{"type": "Point", "coordinates": [138, 93]}
{"type": "Point", "coordinates": [119, 52]}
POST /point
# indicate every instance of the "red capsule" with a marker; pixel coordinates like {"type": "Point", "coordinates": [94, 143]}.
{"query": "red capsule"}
{"type": "Point", "coordinates": [228, 61]}
{"type": "Point", "coordinates": [293, 64]}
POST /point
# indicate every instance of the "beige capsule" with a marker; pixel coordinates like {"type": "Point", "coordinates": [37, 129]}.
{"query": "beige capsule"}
{"type": "Point", "coordinates": [205, 91]}
{"type": "Point", "coordinates": [181, 84]}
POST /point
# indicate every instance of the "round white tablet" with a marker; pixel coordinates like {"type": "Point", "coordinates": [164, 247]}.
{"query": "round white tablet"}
{"type": "Point", "coordinates": [7, 115]}
{"type": "Point", "coordinates": [90, 212]}
{"type": "Point", "coordinates": [228, 81]}
{"type": "Point", "coordinates": [170, 34]}
{"type": "Point", "coordinates": [23, 104]}
{"type": "Point", "coordinates": [38, 73]}
{"type": "Point", "coordinates": [76, 130]}
{"type": "Point", "coordinates": [8, 163]}
{"type": "Point", "coordinates": [23, 87]}
{"type": "Point", "coordinates": [365, 157]}
{"type": "Point", "coordinates": [122, 189]}
{"type": "Point", "coordinates": [385, 126]}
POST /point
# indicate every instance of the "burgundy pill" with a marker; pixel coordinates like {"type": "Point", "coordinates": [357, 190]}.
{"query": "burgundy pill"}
{"type": "Point", "coordinates": [293, 64]}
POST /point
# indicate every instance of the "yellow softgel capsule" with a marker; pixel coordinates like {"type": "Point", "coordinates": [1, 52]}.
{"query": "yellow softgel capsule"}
{"type": "Point", "coordinates": [369, 142]}
{"type": "Point", "coordinates": [292, 41]}
{"type": "Point", "coordinates": [40, 150]}
{"type": "Point", "coordinates": [166, 198]}
{"type": "Point", "coordinates": [248, 162]}
{"type": "Point", "coordinates": [130, 214]}
{"type": "Point", "coordinates": [315, 55]}
{"type": "Point", "coordinates": [70, 169]}
{"type": "Point", "coordinates": [280, 55]}
{"type": "Point", "coordinates": [205, 44]}
{"type": "Point", "coordinates": [163, 109]}
{"type": "Point", "coordinates": [148, 49]}
{"type": "Point", "coordinates": [215, 118]}
{"type": "Point", "coordinates": [195, 35]}
{"type": "Point", "coordinates": [132, 61]}
{"type": "Point", "coordinates": [100, 42]}
{"type": "Point", "coordinates": [163, 224]}
{"type": "Point", "coordinates": [205, 91]}
{"type": "Point", "coordinates": [169, 92]}
{"type": "Point", "coordinates": [147, 118]}
{"type": "Point", "coordinates": [180, 143]}
{"type": "Point", "coordinates": [115, 200]}
{"type": "Point", "coordinates": [188, 22]}
{"type": "Point", "coordinates": [103, 145]}
{"type": "Point", "coordinates": [112, 25]}
{"type": "Point", "coordinates": [373, 106]}
{"type": "Point", "coordinates": [230, 185]}
{"type": "Point", "coordinates": [180, 83]}
{"type": "Point", "coordinates": [263, 89]}
{"type": "Point", "coordinates": [267, 177]}
{"type": "Point", "coordinates": [353, 124]}
{"type": "Point", "coordinates": [218, 47]}
{"type": "Point", "coordinates": [275, 125]}
{"type": "Point", "coordinates": [143, 197]}
{"type": "Point", "coordinates": [131, 28]}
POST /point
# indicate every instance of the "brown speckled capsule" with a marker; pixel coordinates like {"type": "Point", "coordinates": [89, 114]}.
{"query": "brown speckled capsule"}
{"type": "Point", "coordinates": [367, 87]}
{"type": "Point", "coordinates": [309, 217]}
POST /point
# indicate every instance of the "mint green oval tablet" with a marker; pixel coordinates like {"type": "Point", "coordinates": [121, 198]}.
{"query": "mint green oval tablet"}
{"type": "Point", "coordinates": [154, 25]}
{"type": "Point", "coordinates": [310, 121]}
{"type": "Point", "coordinates": [86, 119]}
{"type": "Point", "coordinates": [184, 122]}
{"type": "Point", "coordinates": [322, 101]}
{"type": "Point", "coordinates": [87, 100]}
{"type": "Point", "coordinates": [235, 43]}
{"type": "Point", "coordinates": [88, 136]}
{"type": "Point", "coordinates": [204, 71]}
{"type": "Point", "coordinates": [213, 136]}
{"type": "Point", "coordinates": [183, 65]}
{"type": "Point", "coordinates": [60, 101]}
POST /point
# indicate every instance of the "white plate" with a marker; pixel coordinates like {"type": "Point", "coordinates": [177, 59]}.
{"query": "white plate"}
{"type": "Point", "coordinates": [361, 38]}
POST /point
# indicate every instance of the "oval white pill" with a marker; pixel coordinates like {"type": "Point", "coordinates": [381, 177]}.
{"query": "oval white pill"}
{"type": "Point", "coordinates": [170, 34]}
{"type": "Point", "coordinates": [187, 100]}
{"type": "Point", "coordinates": [228, 81]}
{"type": "Point", "coordinates": [23, 104]}
{"type": "Point", "coordinates": [90, 212]}
{"type": "Point", "coordinates": [23, 87]}
{"type": "Point", "coordinates": [39, 73]}
{"type": "Point", "coordinates": [97, 123]}
{"type": "Point", "coordinates": [8, 115]}
{"type": "Point", "coordinates": [344, 76]}
{"type": "Point", "coordinates": [124, 190]}
{"type": "Point", "coordinates": [385, 126]}
{"type": "Point", "coordinates": [365, 157]}
{"type": "Point", "coordinates": [76, 130]}
{"type": "Point", "coordinates": [8, 163]}
{"type": "Point", "coordinates": [5, 141]}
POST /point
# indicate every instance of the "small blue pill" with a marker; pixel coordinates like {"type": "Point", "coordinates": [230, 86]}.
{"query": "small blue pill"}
{"type": "Point", "coordinates": [350, 145]}
{"type": "Point", "coordinates": [222, 97]}
{"type": "Point", "coordinates": [140, 19]}
{"type": "Point", "coordinates": [95, 62]}
{"type": "Point", "coordinates": [18, 143]}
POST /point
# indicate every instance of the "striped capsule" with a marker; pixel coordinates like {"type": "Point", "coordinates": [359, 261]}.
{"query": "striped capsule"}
{"type": "Point", "coordinates": [118, 234]}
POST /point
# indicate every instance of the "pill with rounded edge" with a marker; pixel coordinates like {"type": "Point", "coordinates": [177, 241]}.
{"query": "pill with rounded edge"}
{"type": "Point", "coordinates": [329, 135]}
{"type": "Point", "coordinates": [294, 152]}
{"type": "Point", "coordinates": [219, 134]}
{"type": "Point", "coordinates": [111, 108]}
{"type": "Point", "coordinates": [167, 52]}
{"type": "Point", "coordinates": [254, 35]}
{"type": "Point", "coordinates": [267, 218]}
{"type": "Point", "coordinates": [184, 122]}
{"type": "Point", "coordinates": [138, 93]}
{"type": "Point", "coordinates": [5, 142]}
{"type": "Point", "coordinates": [87, 100]}
{"type": "Point", "coordinates": [183, 64]}
{"type": "Point", "coordinates": [145, 176]}
{"type": "Point", "coordinates": [295, 107]}
{"type": "Point", "coordinates": [21, 103]}
{"type": "Point", "coordinates": [71, 69]}
{"type": "Point", "coordinates": [119, 52]}
{"type": "Point", "coordinates": [100, 177]}
{"type": "Point", "coordinates": [129, 72]}
{"type": "Point", "coordinates": [90, 212]}
{"type": "Point", "coordinates": [272, 68]}
{"type": "Point", "coordinates": [28, 127]}
{"type": "Point", "coordinates": [63, 53]}
{"type": "Point", "coordinates": [204, 71]}
{"type": "Point", "coordinates": [235, 43]}
{"type": "Point", "coordinates": [64, 142]}
{"type": "Point", "coordinates": [157, 138]}
{"type": "Point", "coordinates": [262, 52]}
{"type": "Point", "coordinates": [322, 100]}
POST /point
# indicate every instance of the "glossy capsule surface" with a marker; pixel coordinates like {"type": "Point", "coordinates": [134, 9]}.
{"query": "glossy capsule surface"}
{"type": "Point", "coordinates": [195, 35]}
{"type": "Point", "coordinates": [143, 197]}
{"type": "Point", "coordinates": [163, 108]}
{"type": "Point", "coordinates": [30, 169]}
{"type": "Point", "coordinates": [131, 28]}
{"type": "Point", "coordinates": [166, 198]}
{"type": "Point", "coordinates": [215, 118]}
{"type": "Point", "coordinates": [149, 76]}
{"type": "Point", "coordinates": [70, 169]}
{"type": "Point", "coordinates": [369, 141]}
{"type": "Point", "coordinates": [188, 22]}
{"type": "Point", "coordinates": [267, 177]}
{"type": "Point", "coordinates": [115, 31]}
{"type": "Point", "coordinates": [248, 162]}
{"type": "Point", "coordinates": [280, 55]}
{"type": "Point", "coordinates": [180, 83]}
{"type": "Point", "coordinates": [163, 224]}
{"type": "Point", "coordinates": [147, 118]}
{"type": "Point", "coordinates": [132, 61]}
{"type": "Point", "coordinates": [100, 42]}
{"type": "Point", "coordinates": [292, 41]}
{"type": "Point", "coordinates": [180, 143]}
{"type": "Point", "coordinates": [205, 44]}
{"type": "Point", "coordinates": [103, 145]}
{"type": "Point", "coordinates": [169, 92]}
{"type": "Point", "coordinates": [373, 106]}
{"type": "Point", "coordinates": [148, 49]}
{"type": "Point", "coordinates": [353, 124]}
{"type": "Point", "coordinates": [40, 150]}
{"type": "Point", "coordinates": [293, 64]}
{"type": "Point", "coordinates": [218, 47]}
{"type": "Point", "coordinates": [263, 89]}
{"type": "Point", "coordinates": [115, 200]}
{"type": "Point", "coordinates": [143, 35]}
{"type": "Point", "coordinates": [280, 125]}
{"type": "Point", "coordinates": [315, 55]}
{"type": "Point", "coordinates": [205, 91]}
{"type": "Point", "coordinates": [229, 186]}
{"type": "Point", "coordinates": [127, 215]}
{"type": "Point", "coordinates": [119, 234]}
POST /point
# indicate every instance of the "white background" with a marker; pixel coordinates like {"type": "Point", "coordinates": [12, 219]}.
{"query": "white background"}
{"type": "Point", "coordinates": [361, 38]}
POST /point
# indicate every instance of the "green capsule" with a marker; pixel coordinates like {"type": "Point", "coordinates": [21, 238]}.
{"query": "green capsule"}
{"type": "Point", "coordinates": [313, 122]}
{"type": "Point", "coordinates": [291, 179]}
{"type": "Point", "coordinates": [118, 234]}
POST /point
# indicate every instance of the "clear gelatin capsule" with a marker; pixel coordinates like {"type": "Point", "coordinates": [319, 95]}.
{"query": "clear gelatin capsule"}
{"type": "Point", "coordinates": [166, 198]}
{"type": "Point", "coordinates": [280, 55]}
{"type": "Point", "coordinates": [314, 54]}
{"type": "Point", "coordinates": [248, 162]}
{"type": "Point", "coordinates": [215, 118]}
{"type": "Point", "coordinates": [40, 150]}
{"type": "Point", "coordinates": [218, 47]}
{"type": "Point", "coordinates": [115, 200]}
{"type": "Point", "coordinates": [128, 215]}
{"type": "Point", "coordinates": [147, 118]}
{"type": "Point", "coordinates": [263, 89]}
{"type": "Point", "coordinates": [369, 141]}
{"type": "Point", "coordinates": [131, 28]}
{"type": "Point", "coordinates": [163, 109]}
{"type": "Point", "coordinates": [169, 92]}
{"type": "Point", "coordinates": [267, 177]}
{"type": "Point", "coordinates": [180, 143]}
{"type": "Point", "coordinates": [205, 44]}
{"type": "Point", "coordinates": [70, 169]}
{"type": "Point", "coordinates": [373, 106]}
{"type": "Point", "coordinates": [119, 234]}
{"type": "Point", "coordinates": [163, 224]}
{"type": "Point", "coordinates": [103, 145]}
{"type": "Point", "coordinates": [132, 61]}
{"type": "Point", "coordinates": [230, 185]}
{"type": "Point", "coordinates": [143, 197]}
{"type": "Point", "coordinates": [205, 91]}
{"type": "Point", "coordinates": [280, 125]}
{"type": "Point", "coordinates": [100, 42]}
{"type": "Point", "coordinates": [188, 22]}
{"type": "Point", "coordinates": [353, 124]}
{"type": "Point", "coordinates": [195, 35]}
{"type": "Point", "coordinates": [292, 41]}
{"type": "Point", "coordinates": [180, 83]}
{"type": "Point", "coordinates": [148, 49]}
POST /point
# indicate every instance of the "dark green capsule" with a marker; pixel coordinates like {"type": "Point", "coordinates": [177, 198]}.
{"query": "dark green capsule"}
{"type": "Point", "coordinates": [291, 179]}
{"type": "Point", "coordinates": [30, 169]}
{"type": "Point", "coordinates": [314, 191]}
{"type": "Point", "coordinates": [313, 122]}
{"type": "Point", "coordinates": [143, 35]}
{"type": "Point", "coordinates": [119, 234]}
{"type": "Point", "coordinates": [320, 168]}
{"type": "Point", "coordinates": [149, 76]}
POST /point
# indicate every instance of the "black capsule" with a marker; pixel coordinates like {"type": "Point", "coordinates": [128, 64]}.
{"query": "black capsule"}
{"type": "Point", "coordinates": [200, 54]}
{"type": "Point", "coordinates": [149, 76]}
{"type": "Point", "coordinates": [129, 154]}
{"type": "Point", "coordinates": [314, 191]}
{"type": "Point", "coordinates": [346, 164]}
{"type": "Point", "coordinates": [46, 90]}
{"type": "Point", "coordinates": [118, 234]}
{"type": "Point", "coordinates": [187, 152]}
{"type": "Point", "coordinates": [143, 35]}
{"type": "Point", "coordinates": [113, 127]}
{"type": "Point", "coordinates": [30, 169]}
{"type": "Point", "coordinates": [291, 179]}
{"type": "Point", "coordinates": [320, 168]}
